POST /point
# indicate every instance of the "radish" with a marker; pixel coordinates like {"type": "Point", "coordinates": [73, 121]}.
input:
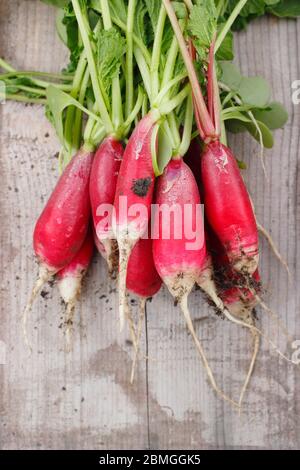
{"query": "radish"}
{"type": "Point", "coordinates": [228, 207]}
{"type": "Point", "coordinates": [180, 267]}
{"type": "Point", "coordinates": [70, 280]}
{"type": "Point", "coordinates": [226, 199]}
{"type": "Point", "coordinates": [103, 183]}
{"type": "Point", "coordinates": [134, 193]}
{"type": "Point", "coordinates": [142, 280]}
{"type": "Point", "coordinates": [62, 227]}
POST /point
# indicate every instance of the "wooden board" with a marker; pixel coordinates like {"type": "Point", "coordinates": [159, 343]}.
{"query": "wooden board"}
{"type": "Point", "coordinates": [52, 400]}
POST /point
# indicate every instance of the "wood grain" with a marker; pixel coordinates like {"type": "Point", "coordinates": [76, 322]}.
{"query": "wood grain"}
{"type": "Point", "coordinates": [83, 400]}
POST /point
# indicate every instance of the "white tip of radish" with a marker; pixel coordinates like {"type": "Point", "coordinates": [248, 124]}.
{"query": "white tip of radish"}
{"type": "Point", "coordinates": [111, 256]}
{"type": "Point", "coordinates": [69, 289]}
{"type": "Point", "coordinates": [45, 274]}
{"type": "Point", "coordinates": [126, 243]}
{"type": "Point", "coordinates": [246, 264]}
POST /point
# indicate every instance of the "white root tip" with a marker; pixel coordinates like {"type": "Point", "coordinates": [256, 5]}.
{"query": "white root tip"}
{"type": "Point", "coordinates": [69, 319]}
{"type": "Point", "coordinates": [142, 308]}
{"type": "Point", "coordinates": [184, 307]}
{"type": "Point", "coordinates": [274, 248]}
{"type": "Point", "coordinates": [44, 276]}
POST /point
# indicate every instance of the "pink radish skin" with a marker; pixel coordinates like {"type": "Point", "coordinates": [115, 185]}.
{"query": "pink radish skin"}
{"type": "Point", "coordinates": [70, 280]}
{"type": "Point", "coordinates": [135, 186]}
{"type": "Point", "coordinates": [179, 267]}
{"type": "Point", "coordinates": [228, 207]}
{"type": "Point", "coordinates": [61, 228]}
{"type": "Point", "coordinates": [142, 276]}
{"type": "Point", "coordinates": [103, 182]}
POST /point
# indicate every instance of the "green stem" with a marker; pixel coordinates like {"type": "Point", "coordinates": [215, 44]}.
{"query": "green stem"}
{"type": "Point", "coordinates": [226, 28]}
{"type": "Point", "coordinates": [22, 98]}
{"type": "Point", "coordinates": [117, 110]}
{"type": "Point", "coordinates": [172, 104]}
{"type": "Point", "coordinates": [163, 94]}
{"type": "Point", "coordinates": [129, 56]}
{"type": "Point", "coordinates": [81, 67]}
{"type": "Point", "coordinates": [131, 117]}
{"type": "Point", "coordinates": [156, 52]}
{"type": "Point", "coordinates": [188, 126]}
{"type": "Point", "coordinates": [206, 121]}
{"type": "Point", "coordinates": [85, 34]}
{"type": "Point", "coordinates": [15, 73]}
{"type": "Point", "coordinates": [138, 42]}
{"type": "Point", "coordinates": [35, 91]}
{"type": "Point", "coordinates": [171, 118]}
{"type": "Point", "coordinates": [170, 64]}
{"type": "Point", "coordinates": [78, 113]}
{"type": "Point", "coordinates": [144, 69]}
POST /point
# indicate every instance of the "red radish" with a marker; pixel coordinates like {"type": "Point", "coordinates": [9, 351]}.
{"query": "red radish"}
{"type": "Point", "coordinates": [103, 182]}
{"type": "Point", "coordinates": [227, 204]}
{"type": "Point", "coordinates": [61, 228]}
{"type": "Point", "coordinates": [142, 280]}
{"type": "Point", "coordinates": [70, 280]}
{"type": "Point", "coordinates": [180, 267]}
{"type": "Point", "coordinates": [133, 198]}
{"type": "Point", "coordinates": [228, 207]}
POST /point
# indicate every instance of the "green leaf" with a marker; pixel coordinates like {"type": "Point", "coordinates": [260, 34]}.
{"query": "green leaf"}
{"type": "Point", "coordinates": [153, 8]}
{"type": "Point", "coordinates": [161, 149]}
{"type": "Point", "coordinates": [275, 116]}
{"type": "Point", "coordinates": [254, 91]}
{"type": "Point", "coordinates": [286, 9]}
{"type": "Point", "coordinates": [202, 24]}
{"type": "Point", "coordinates": [230, 75]}
{"type": "Point", "coordinates": [235, 126]}
{"type": "Point", "coordinates": [61, 27]}
{"type": "Point", "coordinates": [56, 3]}
{"type": "Point", "coordinates": [267, 136]}
{"type": "Point", "coordinates": [57, 102]}
{"type": "Point", "coordinates": [111, 48]}
{"type": "Point", "coordinates": [225, 51]}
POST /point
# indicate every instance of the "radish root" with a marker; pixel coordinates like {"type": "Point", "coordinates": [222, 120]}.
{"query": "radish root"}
{"type": "Point", "coordinates": [126, 245]}
{"type": "Point", "coordinates": [256, 342]}
{"type": "Point", "coordinates": [44, 276]}
{"type": "Point", "coordinates": [69, 318]}
{"type": "Point", "coordinates": [274, 248]}
{"type": "Point", "coordinates": [185, 310]}
{"type": "Point", "coordinates": [142, 308]}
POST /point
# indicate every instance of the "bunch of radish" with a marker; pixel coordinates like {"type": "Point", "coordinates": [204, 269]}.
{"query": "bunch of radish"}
{"type": "Point", "coordinates": [136, 150]}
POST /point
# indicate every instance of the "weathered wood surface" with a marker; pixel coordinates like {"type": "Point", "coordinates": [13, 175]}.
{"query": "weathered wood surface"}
{"type": "Point", "coordinates": [83, 400]}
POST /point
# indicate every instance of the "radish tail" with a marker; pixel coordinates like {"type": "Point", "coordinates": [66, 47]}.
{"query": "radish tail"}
{"type": "Point", "coordinates": [126, 246]}
{"type": "Point", "coordinates": [69, 318]}
{"type": "Point", "coordinates": [142, 307]}
{"type": "Point", "coordinates": [273, 316]}
{"type": "Point", "coordinates": [185, 310]}
{"type": "Point", "coordinates": [44, 276]}
{"type": "Point", "coordinates": [210, 291]}
{"type": "Point", "coordinates": [274, 248]}
{"type": "Point", "coordinates": [252, 363]}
